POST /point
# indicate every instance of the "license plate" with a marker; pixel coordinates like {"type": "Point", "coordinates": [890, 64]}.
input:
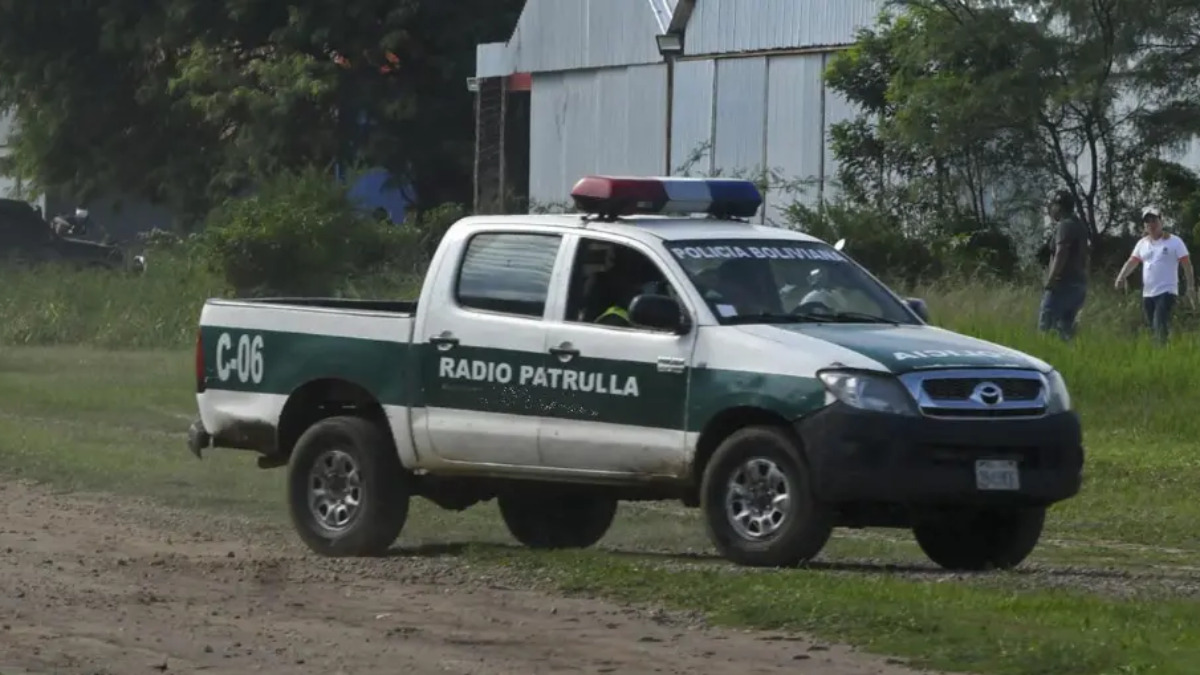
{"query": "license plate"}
{"type": "Point", "coordinates": [997, 474]}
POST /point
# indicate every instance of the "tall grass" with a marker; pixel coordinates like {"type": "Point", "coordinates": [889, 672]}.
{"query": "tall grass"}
{"type": "Point", "coordinates": [55, 305]}
{"type": "Point", "coordinates": [158, 309]}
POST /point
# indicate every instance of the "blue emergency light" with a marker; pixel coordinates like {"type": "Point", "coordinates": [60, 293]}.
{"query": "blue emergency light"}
{"type": "Point", "coordinates": [612, 196]}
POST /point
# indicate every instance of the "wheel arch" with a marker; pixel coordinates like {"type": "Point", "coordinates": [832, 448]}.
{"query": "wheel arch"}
{"type": "Point", "coordinates": [721, 426]}
{"type": "Point", "coordinates": [318, 399]}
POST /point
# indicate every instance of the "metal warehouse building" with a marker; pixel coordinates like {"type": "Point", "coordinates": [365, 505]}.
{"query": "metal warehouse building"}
{"type": "Point", "coordinates": [7, 185]}
{"type": "Point", "coordinates": [640, 86]}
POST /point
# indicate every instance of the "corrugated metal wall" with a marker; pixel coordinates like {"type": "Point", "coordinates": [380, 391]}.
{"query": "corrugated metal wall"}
{"type": "Point", "coordinates": [6, 122]}
{"type": "Point", "coordinates": [692, 117]}
{"type": "Point", "coordinates": [6, 184]}
{"type": "Point", "coordinates": [725, 26]}
{"type": "Point", "coordinates": [595, 121]}
{"type": "Point", "coordinates": [740, 112]}
{"type": "Point", "coordinates": [796, 128]}
{"type": "Point", "coordinates": [750, 114]}
{"type": "Point", "coordinates": [729, 116]}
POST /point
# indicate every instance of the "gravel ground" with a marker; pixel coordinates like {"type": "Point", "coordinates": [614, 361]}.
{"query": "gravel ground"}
{"type": "Point", "coordinates": [99, 585]}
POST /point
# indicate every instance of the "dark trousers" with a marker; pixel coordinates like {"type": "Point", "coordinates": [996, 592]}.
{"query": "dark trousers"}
{"type": "Point", "coordinates": [1158, 314]}
{"type": "Point", "coordinates": [1060, 307]}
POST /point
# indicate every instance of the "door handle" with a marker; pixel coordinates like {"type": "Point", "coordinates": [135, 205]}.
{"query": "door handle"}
{"type": "Point", "coordinates": [444, 342]}
{"type": "Point", "coordinates": [669, 364]}
{"type": "Point", "coordinates": [566, 351]}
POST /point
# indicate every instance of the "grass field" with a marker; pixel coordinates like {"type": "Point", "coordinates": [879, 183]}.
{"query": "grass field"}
{"type": "Point", "coordinates": [1113, 588]}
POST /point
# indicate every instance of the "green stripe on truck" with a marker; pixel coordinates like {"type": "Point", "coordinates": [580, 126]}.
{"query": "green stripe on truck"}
{"type": "Point", "coordinates": [270, 362]}
{"type": "Point", "coordinates": [498, 380]}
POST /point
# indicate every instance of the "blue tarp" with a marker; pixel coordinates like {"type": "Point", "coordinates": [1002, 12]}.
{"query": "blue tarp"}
{"type": "Point", "coordinates": [370, 193]}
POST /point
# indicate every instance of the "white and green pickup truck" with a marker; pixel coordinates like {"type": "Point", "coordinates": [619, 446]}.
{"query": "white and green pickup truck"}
{"type": "Point", "coordinates": [563, 363]}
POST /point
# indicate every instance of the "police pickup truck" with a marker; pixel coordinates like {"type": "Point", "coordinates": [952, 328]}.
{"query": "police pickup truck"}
{"type": "Point", "coordinates": [563, 363]}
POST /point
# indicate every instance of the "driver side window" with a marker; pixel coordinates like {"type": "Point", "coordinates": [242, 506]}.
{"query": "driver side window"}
{"type": "Point", "coordinates": [605, 278]}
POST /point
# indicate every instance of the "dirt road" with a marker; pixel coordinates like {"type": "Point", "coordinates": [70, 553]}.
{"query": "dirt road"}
{"type": "Point", "coordinates": [94, 585]}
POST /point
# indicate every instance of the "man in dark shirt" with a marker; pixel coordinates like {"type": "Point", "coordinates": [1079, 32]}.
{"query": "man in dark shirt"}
{"type": "Point", "coordinates": [1066, 280]}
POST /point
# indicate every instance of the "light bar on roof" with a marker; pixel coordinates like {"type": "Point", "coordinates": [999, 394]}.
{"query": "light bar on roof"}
{"type": "Point", "coordinates": [612, 196]}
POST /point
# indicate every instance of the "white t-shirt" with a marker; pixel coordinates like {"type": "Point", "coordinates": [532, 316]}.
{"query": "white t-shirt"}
{"type": "Point", "coordinates": [1160, 264]}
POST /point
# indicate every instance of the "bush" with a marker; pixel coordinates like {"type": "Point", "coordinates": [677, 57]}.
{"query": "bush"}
{"type": "Point", "coordinates": [957, 245]}
{"type": "Point", "coordinates": [873, 238]}
{"type": "Point", "coordinates": [432, 224]}
{"type": "Point", "coordinates": [300, 234]}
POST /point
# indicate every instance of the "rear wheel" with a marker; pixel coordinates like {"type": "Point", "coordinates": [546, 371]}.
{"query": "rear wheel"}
{"type": "Point", "coordinates": [554, 521]}
{"type": "Point", "coordinates": [758, 502]}
{"type": "Point", "coordinates": [980, 539]}
{"type": "Point", "coordinates": [347, 492]}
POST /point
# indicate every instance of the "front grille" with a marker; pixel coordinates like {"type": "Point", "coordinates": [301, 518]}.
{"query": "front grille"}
{"type": "Point", "coordinates": [952, 393]}
{"type": "Point", "coordinates": [960, 389]}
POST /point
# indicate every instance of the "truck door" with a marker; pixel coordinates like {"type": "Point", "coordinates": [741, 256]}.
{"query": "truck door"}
{"type": "Point", "coordinates": [621, 392]}
{"type": "Point", "coordinates": [484, 332]}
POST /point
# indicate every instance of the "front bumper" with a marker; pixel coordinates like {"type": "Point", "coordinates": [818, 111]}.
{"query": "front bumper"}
{"type": "Point", "coordinates": [859, 456]}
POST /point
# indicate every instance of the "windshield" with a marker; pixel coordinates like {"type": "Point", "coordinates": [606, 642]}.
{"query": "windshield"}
{"type": "Point", "coordinates": [781, 280]}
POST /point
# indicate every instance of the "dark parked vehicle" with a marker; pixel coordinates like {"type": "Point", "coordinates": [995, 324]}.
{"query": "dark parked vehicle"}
{"type": "Point", "coordinates": [26, 237]}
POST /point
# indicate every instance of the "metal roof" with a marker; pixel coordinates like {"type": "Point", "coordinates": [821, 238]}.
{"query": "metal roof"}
{"type": "Point", "coordinates": [559, 35]}
{"type": "Point", "coordinates": [732, 26]}
{"type": "Point", "coordinates": [556, 35]}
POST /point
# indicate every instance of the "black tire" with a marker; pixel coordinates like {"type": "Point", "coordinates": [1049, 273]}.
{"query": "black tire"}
{"type": "Point", "coordinates": [974, 540]}
{"type": "Point", "coordinates": [802, 532]}
{"type": "Point", "coordinates": [557, 521]}
{"type": "Point", "coordinates": [383, 494]}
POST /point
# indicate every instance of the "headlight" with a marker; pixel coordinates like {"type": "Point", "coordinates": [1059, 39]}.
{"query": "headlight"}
{"type": "Point", "coordinates": [1058, 399]}
{"type": "Point", "coordinates": [877, 393]}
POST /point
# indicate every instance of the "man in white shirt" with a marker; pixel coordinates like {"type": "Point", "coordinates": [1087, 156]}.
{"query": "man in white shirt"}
{"type": "Point", "coordinates": [1160, 254]}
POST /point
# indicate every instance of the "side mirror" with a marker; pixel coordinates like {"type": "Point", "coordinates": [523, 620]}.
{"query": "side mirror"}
{"type": "Point", "coordinates": [659, 312]}
{"type": "Point", "coordinates": [839, 244]}
{"type": "Point", "coordinates": [918, 306]}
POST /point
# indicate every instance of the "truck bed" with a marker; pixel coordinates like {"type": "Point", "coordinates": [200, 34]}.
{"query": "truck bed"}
{"type": "Point", "coordinates": [255, 354]}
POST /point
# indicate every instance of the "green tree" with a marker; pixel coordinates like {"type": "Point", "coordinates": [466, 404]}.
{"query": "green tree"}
{"type": "Point", "coordinates": [974, 109]}
{"type": "Point", "coordinates": [931, 139]}
{"type": "Point", "coordinates": [1168, 72]}
{"type": "Point", "coordinates": [189, 101]}
{"type": "Point", "coordinates": [89, 80]}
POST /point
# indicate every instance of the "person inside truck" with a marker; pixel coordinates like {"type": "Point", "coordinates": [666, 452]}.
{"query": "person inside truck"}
{"type": "Point", "coordinates": [617, 275]}
{"type": "Point", "coordinates": [631, 275]}
{"type": "Point", "coordinates": [826, 290]}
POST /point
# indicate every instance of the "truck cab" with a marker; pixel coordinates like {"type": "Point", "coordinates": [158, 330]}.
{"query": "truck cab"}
{"type": "Point", "coordinates": [655, 345]}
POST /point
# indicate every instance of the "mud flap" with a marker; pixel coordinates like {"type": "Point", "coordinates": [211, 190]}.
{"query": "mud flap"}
{"type": "Point", "coordinates": [198, 438]}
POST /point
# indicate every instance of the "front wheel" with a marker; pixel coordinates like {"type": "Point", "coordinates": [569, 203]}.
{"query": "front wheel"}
{"type": "Point", "coordinates": [557, 521]}
{"type": "Point", "coordinates": [980, 539]}
{"type": "Point", "coordinates": [347, 492]}
{"type": "Point", "coordinates": [758, 501]}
